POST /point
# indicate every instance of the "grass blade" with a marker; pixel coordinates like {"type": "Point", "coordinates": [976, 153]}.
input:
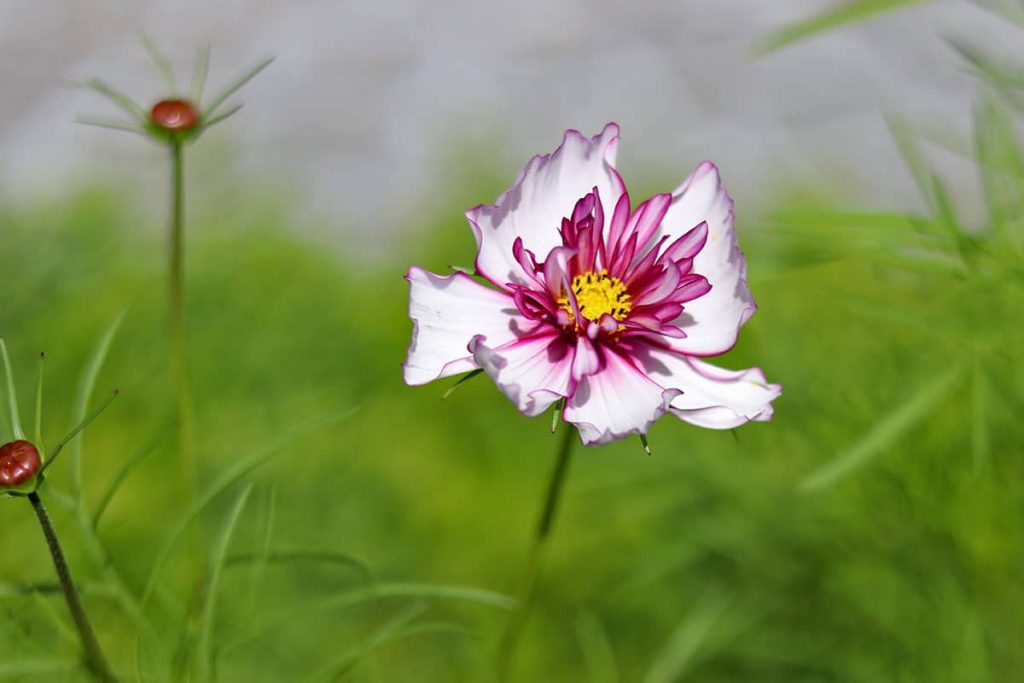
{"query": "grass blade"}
{"type": "Point", "coordinates": [598, 656]}
{"type": "Point", "coordinates": [300, 557]}
{"type": "Point", "coordinates": [981, 442]}
{"type": "Point", "coordinates": [685, 642]}
{"type": "Point", "coordinates": [12, 393]}
{"type": "Point", "coordinates": [119, 479]}
{"type": "Point", "coordinates": [232, 475]}
{"type": "Point", "coordinates": [846, 14]}
{"type": "Point", "coordinates": [361, 596]}
{"type": "Point", "coordinates": [204, 658]}
{"type": "Point", "coordinates": [891, 427]}
{"type": "Point", "coordinates": [86, 421]}
{"type": "Point", "coordinates": [235, 86]}
{"type": "Point", "coordinates": [85, 390]}
{"type": "Point", "coordinates": [381, 636]}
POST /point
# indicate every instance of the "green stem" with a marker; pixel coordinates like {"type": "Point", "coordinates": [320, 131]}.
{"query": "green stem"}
{"type": "Point", "coordinates": [94, 658]}
{"type": "Point", "coordinates": [545, 523]}
{"type": "Point", "coordinates": [179, 342]}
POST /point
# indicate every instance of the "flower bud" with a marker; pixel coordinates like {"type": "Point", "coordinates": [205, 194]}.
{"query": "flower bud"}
{"type": "Point", "coordinates": [174, 115]}
{"type": "Point", "coordinates": [19, 462]}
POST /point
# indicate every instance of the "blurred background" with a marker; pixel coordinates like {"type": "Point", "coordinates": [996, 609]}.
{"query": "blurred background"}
{"type": "Point", "coordinates": [871, 531]}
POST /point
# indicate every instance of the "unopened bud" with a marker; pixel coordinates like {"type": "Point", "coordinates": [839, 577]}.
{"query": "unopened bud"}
{"type": "Point", "coordinates": [174, 115]}
{"type": "Point", "coordinates": [19, 462]}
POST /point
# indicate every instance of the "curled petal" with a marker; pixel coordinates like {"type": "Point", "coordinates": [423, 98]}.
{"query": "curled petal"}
{"type": "Point", "coordinates": [711, 396]}
{"type": "Point", "coordinates": [546, 190]}
{"type": "Point", "coordinates": [711, 322]}
{"type": "Point", "coordinates": [533, 372]}
{"type": "Point", "coordinates": [447, 312]}
{"type": "Point", "coordinates": [616, 401]}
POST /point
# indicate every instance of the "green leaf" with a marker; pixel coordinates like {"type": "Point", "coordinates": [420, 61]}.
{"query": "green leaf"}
{"type": "Point", "coordinates": [12, 393]}
{"type": "Point", "coordinates": [204, 655]}
{"type": "Point", "coordinates": [885, 432]}
{"type": "Point", "coordinates": [843, 15]}
{"type": "Point", "coordinates": [86, 386]}
{"type": "Point", "coordinates": [234, 87]}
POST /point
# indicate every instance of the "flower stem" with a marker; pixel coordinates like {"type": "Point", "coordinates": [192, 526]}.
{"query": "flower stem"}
{"type": "Point", "coordinates": [94, 658]}
{"type": "Point", "coordinates": [179, 343]}
{"type": "Point", "coordinates": [545, 523]}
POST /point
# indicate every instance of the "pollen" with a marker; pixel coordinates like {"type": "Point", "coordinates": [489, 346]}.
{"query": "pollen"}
{"type": "Point", "coordinates": [597, 294]}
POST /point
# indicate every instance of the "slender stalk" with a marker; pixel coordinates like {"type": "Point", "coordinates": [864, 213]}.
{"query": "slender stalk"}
{"type": "Point", "coordinates": [545, 523]}
{"type": "Point", "coordinates": [179, 343]}
{"type": "Point", "coordinates": [94, 658]}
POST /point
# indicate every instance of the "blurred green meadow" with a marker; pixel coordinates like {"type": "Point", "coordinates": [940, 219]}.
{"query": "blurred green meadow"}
{"type": "Point", "coordinates": [358, 529]}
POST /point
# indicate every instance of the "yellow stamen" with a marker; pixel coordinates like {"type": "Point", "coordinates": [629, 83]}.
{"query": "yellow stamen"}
{"type": "Point", "coordinates": [597, 294]}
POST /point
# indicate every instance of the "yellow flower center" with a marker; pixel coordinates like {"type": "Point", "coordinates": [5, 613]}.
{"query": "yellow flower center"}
{"type": "Point", "coordinates": [597, 294]}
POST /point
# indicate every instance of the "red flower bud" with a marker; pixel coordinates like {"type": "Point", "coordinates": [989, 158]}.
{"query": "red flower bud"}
{"type": "Point", "coordinates": [174, 115]}
{"type": "Point", "coordinates": [19, 462]}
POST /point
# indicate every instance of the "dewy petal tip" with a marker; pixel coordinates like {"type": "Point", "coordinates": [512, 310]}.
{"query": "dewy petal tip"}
{"type": "Point", "coordinates": [591, 302]}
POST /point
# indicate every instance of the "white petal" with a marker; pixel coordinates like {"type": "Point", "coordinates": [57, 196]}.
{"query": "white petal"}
{"type": "Point", "coordinates": [546, 191]}
{"type": "Point", "coordinates": [711, 396]}
{"type": "Point", "coordinates": [711, 322]}
{"type": "Point", "coordinates": [447, 313]}
{"type": "Point", "coordinates": [617, 400]}
{"type": "Point", "coordinates": [533, 372]}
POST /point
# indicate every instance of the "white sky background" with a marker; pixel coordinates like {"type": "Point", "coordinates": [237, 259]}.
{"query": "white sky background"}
{"type": "Point", "coordinates": [366, 98]}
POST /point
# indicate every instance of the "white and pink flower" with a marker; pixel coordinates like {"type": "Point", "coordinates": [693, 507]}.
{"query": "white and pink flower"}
{"type": "Point", "coordinates": [609, 307]}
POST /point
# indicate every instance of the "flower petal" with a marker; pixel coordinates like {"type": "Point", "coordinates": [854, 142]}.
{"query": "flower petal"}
{"type": "Point", "coordinates": [711, 322]}
{"type": "Point", "coordinates": [546, 191]}
{"type": "Point", "coordinates": [615, 401]}
{"type": "Point", "coordinates": [447, 313]}
{"type": "Point", "coordinates": [711, 396]}
{"type": "Point", "coordinates": [533, 372]}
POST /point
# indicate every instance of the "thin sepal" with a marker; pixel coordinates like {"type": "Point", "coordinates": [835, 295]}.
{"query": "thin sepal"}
{"type": "Point", "coordinates": [234, 87]}
{"type": "Point", "coordinates": [160, 61]}
{"type": "Point", "coordinates": [12, 394]}
{"type": "Point", "coordinates": [465, 378]}
{"type": "Point", "coordinates": [110, 124]}
{"type": "Point", "coordinates": [202, 71]}
{"type": "Point", "coordinates": [221, 117]}
{"type": "Point", "coordinates": [39, 408]}
{"type": "Point", "coordinates": [119, 98]}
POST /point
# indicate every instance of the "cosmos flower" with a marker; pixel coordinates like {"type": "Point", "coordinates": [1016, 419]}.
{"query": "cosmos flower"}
{"type": "Point", "coordinates": [587, 299]}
